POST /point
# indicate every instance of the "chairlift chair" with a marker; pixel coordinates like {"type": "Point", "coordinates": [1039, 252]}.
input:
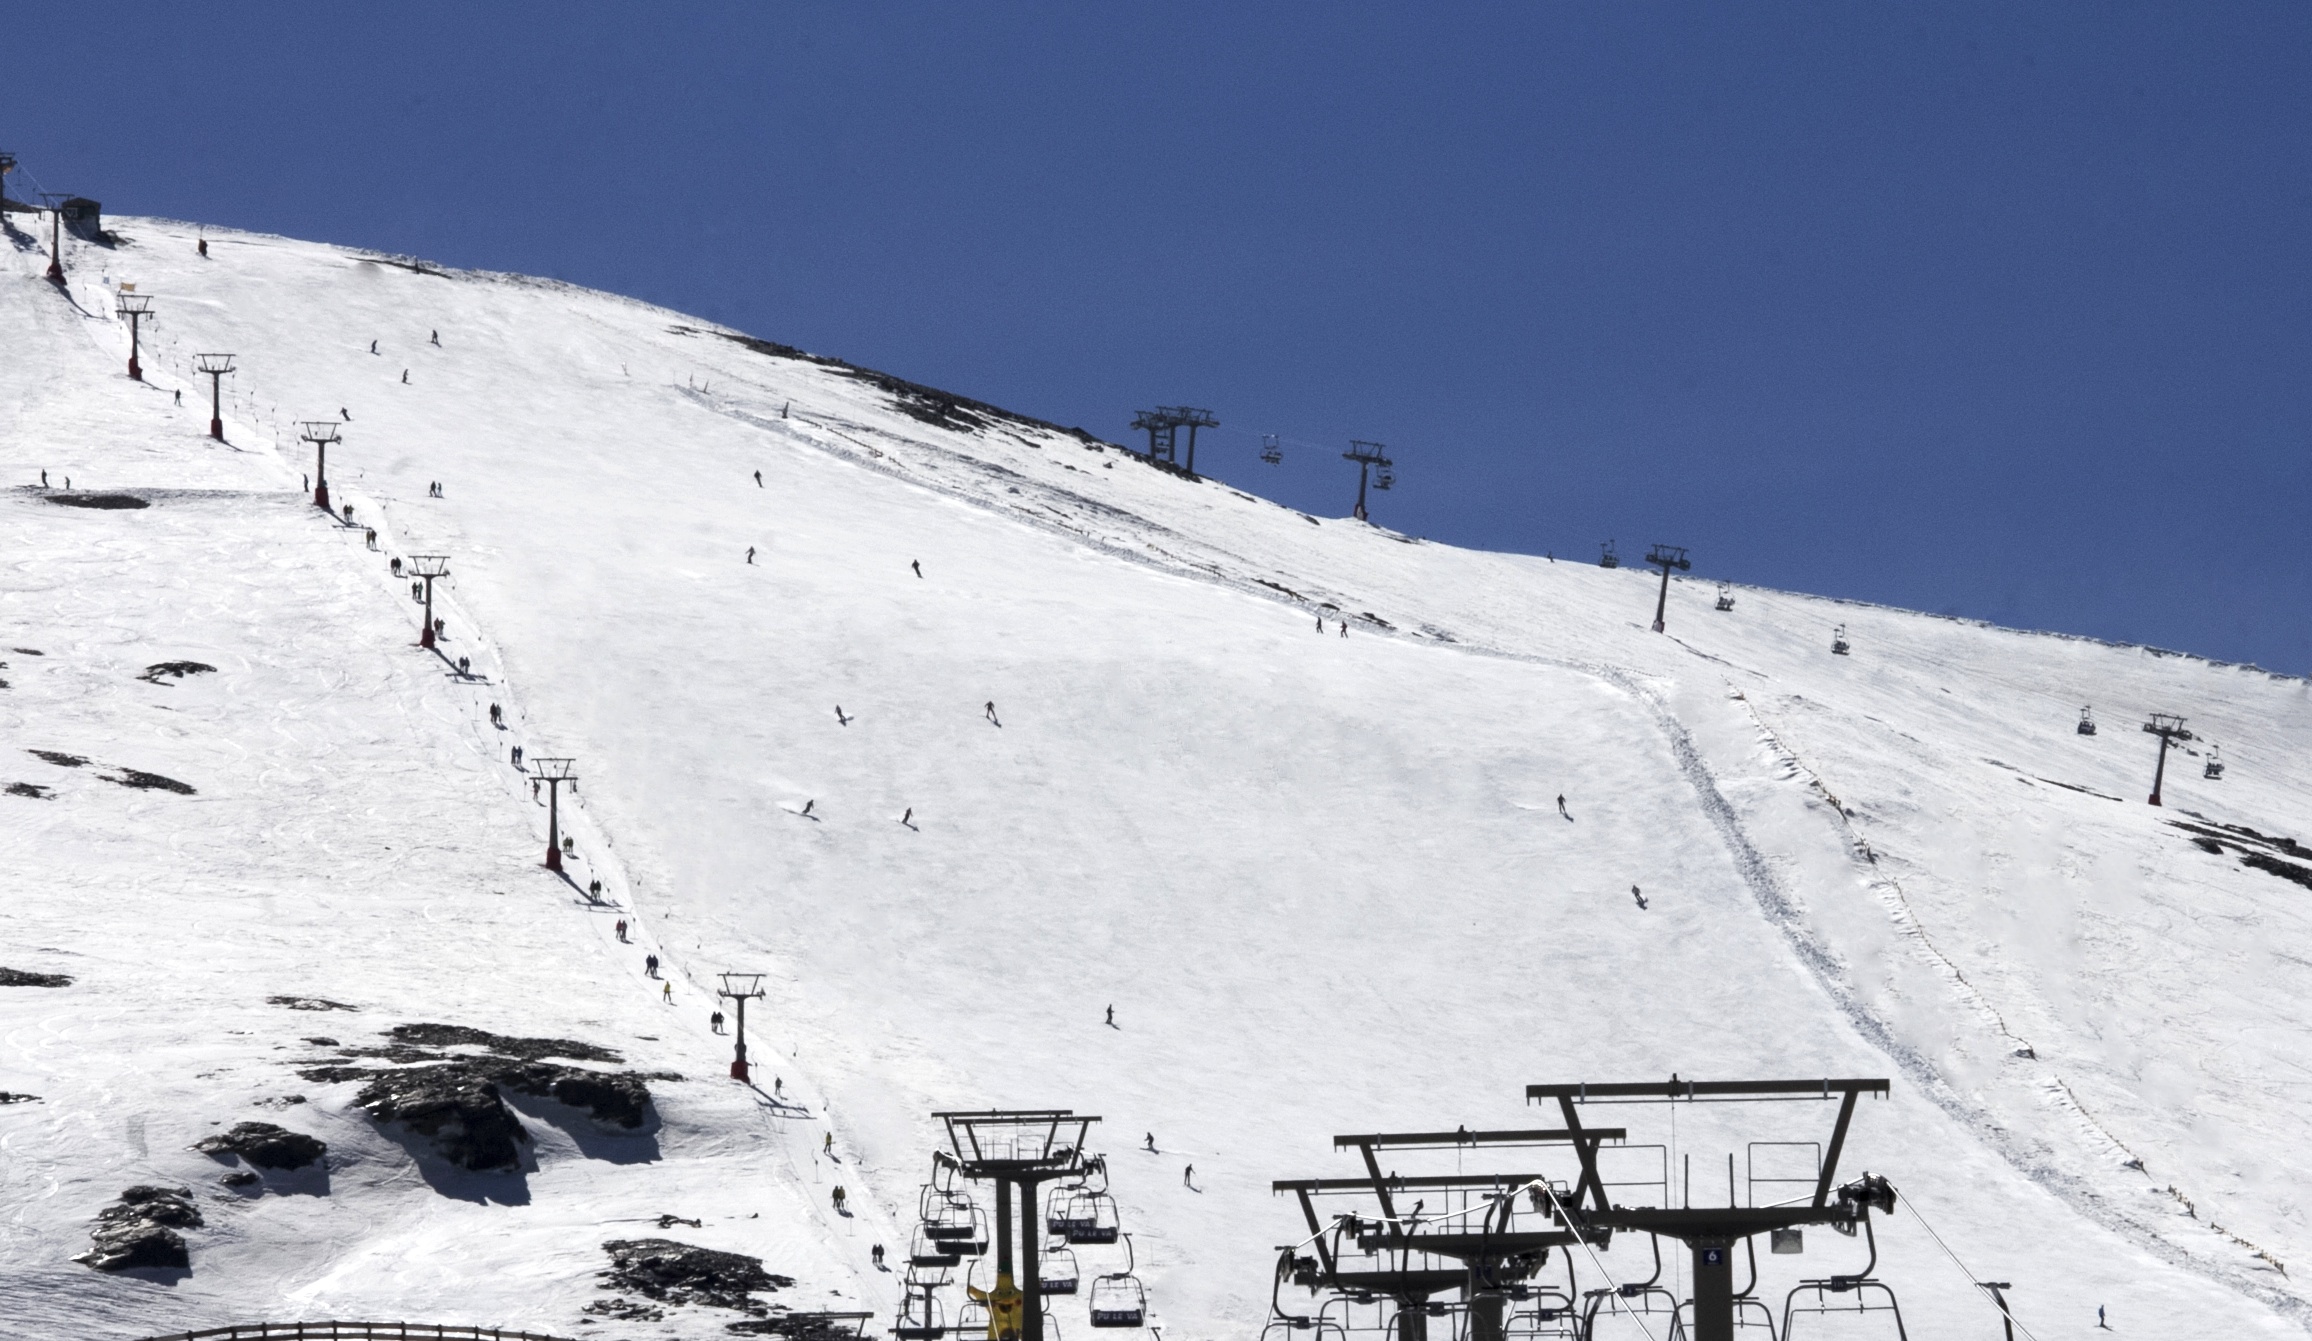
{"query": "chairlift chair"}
{"type": "Point", "coordinates": [1547, 1315]}
{"type": "Point", "coordinates": [2215, 766]}
{"type": "Point", "coordinates": [1860, 1289]}
{"type": "Point", "coordinates": [1087, 1218]}
{"type": "Point", "coordinates": [920, 1316]}
{"type": "Point", "coordinates": [1725, 596]}
{"type": "Point", "coordinates": [1118, 1298]}
{"type": "Point", "coordinates": [1838, 646]}
{"type": "Point", "coordinates": [1384, 478]}
{"type": "Point", "coordinates": [1647, 1304]}
{"type": "Point", "coordinates": [926, 1251]}
{"type": "Point", "coordinates": [1270, 451]}
{"type": "Point", "coordinates": [1607, 558]}
{"type": "Point", "coordinates": [2087, 721]}
{"type": "Point", "coordinates": [1056, 1271]}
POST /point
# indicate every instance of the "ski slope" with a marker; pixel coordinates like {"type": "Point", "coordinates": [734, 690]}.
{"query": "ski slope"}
{"type": "Point", "coordinates": [1322, 880]}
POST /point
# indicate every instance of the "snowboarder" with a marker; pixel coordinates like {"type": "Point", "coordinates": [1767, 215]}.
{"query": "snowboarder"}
{"type": "Point", "coordinates": [758, 479]}
{"type": "Point", "coordinates": [840, 719]}
{"type": "Point", "coordinates": [1561, 805]}
{"type": "Point", "coordinates": [991, 712]}
{"type": "Point", "coordinates": [202, 247]}
{"type": "Point", "coordinates": [916, 564]}
{"type": "Point", "coordinates": [750, 554]}
{"type": "Point", "coordinates": [435, 339]}
{"type": "Point", "coordinates": [1151, 1144]}
{"type": "Point", "coordinates": [622, 929]}
{"type": "Point", "coordinates": [1111, 1017]}
{"type": "Point", "coordinates": [1639, 897]}
{"type": "Point", "coordinates": [807, 808]}
{"type": "Point", "coordinates": [373, 346]}
{"type": "Point", "coordinates": [345, 412]}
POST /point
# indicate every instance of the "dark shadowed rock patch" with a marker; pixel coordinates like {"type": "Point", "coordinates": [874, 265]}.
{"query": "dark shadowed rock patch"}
{"type": "Point", "coordinates": [450, 1105]}
{"type": "Point", "coordinates": [668, 1272]}
{"type": "Point", "coordinates": [102, 502]}
{"type": "Point", "coordinates": [264, 1146]}
{"type": "Point", "coordinates": [60, 758]}
{"type": "Point", "coordinates": [529, 1049]}
{"type": "Point", "coordinates": [140, 1230]}
{"type": "Point", "coordinates": [800, 1326]}
{"type": "Point", "coordinates": [31, 789]}
{"type": "Point", "coordinates": [175, 669]}
{"type": "Point", "coordinates": [140, 780]}
{"type": "Point", "coordinates": [7, 1098]}
{"type": "Point", "coordinates": [26, 978]}
{"type": "Point", "coordinates": [308, 1003]}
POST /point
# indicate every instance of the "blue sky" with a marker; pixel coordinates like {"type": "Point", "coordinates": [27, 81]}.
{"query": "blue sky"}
{"type": "Point", "coordinates": [1995, 309]}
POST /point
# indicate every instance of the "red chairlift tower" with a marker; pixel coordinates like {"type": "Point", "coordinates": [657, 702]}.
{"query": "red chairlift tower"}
{"type": "Point", "coordinates": [133, 307]}
{"type": "Point", "coordinates": [741, 988]}
{"type": "Point", "coordinates": [321, 433]}
{"type": "Point", "coordinates": [429, 567]}
{"type": "Point", "coordinates": [554, 772]}
{"type": "Point", "coordinates": [215, 366]}
{"type": "Point", "coordinates": [54, 202]}
{"type": "Point", "coordinates": [2170, 730]}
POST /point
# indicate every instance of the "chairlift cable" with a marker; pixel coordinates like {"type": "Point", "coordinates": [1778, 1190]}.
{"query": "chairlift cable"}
{"type": "Point", "coordinates": [1593, 1253]}
{"type": "Point", "coordinates": [1962, 1266]}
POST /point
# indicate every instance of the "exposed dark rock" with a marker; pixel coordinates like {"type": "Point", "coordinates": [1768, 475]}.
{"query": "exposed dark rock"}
{"type": "Point", "coordinates": [31, 789]}
{"type": "Point", "coordinates": [799, 1326]}
{"type": "Point", "coordinates": [623, 1309]}
{"type": "Point", "coordinates": [29, 651]}
{"type": "Point", "coordinates": [150, 782]}
{"type": "Point", "coordinates": [613, 1098]}
{"type": "Point", "coordinates": [453, 1106]}
{"type": "Point", "coordinates": [26, 978]}
{"type": "Point", "coordinates": [265, 1146]}
{"type": "Point", "coordinates": [681, 1273]}
{"type": "Point", "coordinates": [140, 1230]}
{"type": "Point", "coordinates": [670, 1221]}
{"type": "Point", "coordinates": [322, 1042]}
{"type": "Point", "coordinates": [104, 501]}
{"type": "Point", "coordinates": [241, 1178]}
{"type": "Point", "coordinates": [308, 1003]}
{"type": "Point", "coordinates": [60, 758]}
{"type": "Point", "coordinates": [529, 1049]}
{"type": "Point", "coordinates": [7, 1098]}
{"type": "Point", "coordinates": [179, 669]}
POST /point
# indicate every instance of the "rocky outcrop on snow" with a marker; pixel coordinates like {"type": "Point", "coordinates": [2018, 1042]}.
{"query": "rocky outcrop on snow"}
{"type": "Point", "coordinates": [140, 1230]}
{"type": "Point", "coordinates": [457, 1099]}
{"type": "Point", "coordinates": [26, 978]}
{"type": "Point", "coordinates": [667, 1272]}
{"type": "Point", "coordinates": [264, 1146]}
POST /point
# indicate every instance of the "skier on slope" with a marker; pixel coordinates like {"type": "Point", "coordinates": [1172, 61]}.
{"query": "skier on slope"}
{"type": "Point", "coordinates": [991, 712]}
{"type": "Point", "coordinates": [1561, 805]}
{"type": "Point", "coordinates": [750, 554]}
{"type": "Point", "coordinates": [916, 564]}
{"type": "Point", "coordinates": [1151, 1144]}
{"type": "Point", "coordinates": [1111, 1017]}
{"type": "Point", "coordinates": [758, 479]}
{"type": "Point", "coordinates": [1639, 897]}
{"type": "Point", "coordinates": [908, 818]}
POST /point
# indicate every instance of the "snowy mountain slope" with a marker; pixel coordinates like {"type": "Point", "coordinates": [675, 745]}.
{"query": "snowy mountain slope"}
{"type": "Point", "coordinates": [1323, 880]}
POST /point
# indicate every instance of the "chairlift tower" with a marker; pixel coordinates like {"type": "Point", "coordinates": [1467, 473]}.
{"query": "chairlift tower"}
{"type": "Point", "coordinates": [1017, 1149]}
{"type": "Point", "coordinates": [7, 165]}
{"type": "Point", "coordinates": [1711, 1233]}
{"type": "Point", "coordinates": [1162, 425]}
{"type": "Point", "coordinates": [53, 201]}
{"type": "Point", "coordinates": [1159, 426]}
{"type": "Point", "coordinates": [1369, 456]}
{"type": "Point", "coordinates": [215, 366]}
{"type": "Point", "coordinates": [321, 433]}
{"type": "Point", "coordinates": [133, 308]}
{"type": "Point", "coordinates": [554, 772]}
{"type": "Point", "coordinates": [428, 567]}
{"type": "Point", "coordinates": [1666, 557]}
{"type": "Point", "coordinates": [1191, 418]}
{"type": "Point", "coordinates": [2170, 730]}
{"type": "Point", "coordinates": [741, 988]}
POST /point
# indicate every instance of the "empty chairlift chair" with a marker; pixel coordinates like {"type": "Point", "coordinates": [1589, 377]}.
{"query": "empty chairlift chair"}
{"type": "Point", "coordinates": [1867, 1302]}
{"type": "Point", "coordinates": [1118, 1298]}
{"type": "Point", "coordinates": [926, 1251]}
{"type": "Point", "coordinates": [1056, 1271]}
{"type": "Point", "coordinates": [2087, 721]}
{"type": "Point", "coordinates": [920, 1316]}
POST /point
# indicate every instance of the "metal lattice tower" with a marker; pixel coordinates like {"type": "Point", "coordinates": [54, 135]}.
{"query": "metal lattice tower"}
{"type": "Point", "coordinates": [2170, 730]}
{"type": "Point", "coordinates": [133, 308]}
{"type": "Point", "coordinates": [215, 366]}
{"type": "Point", "coordinates": [1369, 456]}
{"type": "Point", "coordinates": [321, 433]}
{"type": "Point", "coordinates": [1666, 557]}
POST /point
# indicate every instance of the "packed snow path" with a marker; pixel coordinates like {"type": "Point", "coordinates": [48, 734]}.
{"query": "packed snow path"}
{"type": "Point", "coordinates": [1322, 879]}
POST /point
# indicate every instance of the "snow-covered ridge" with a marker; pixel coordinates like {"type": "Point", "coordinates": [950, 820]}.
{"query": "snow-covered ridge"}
{"type": "Point", "coordinates": [1322, 878]}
